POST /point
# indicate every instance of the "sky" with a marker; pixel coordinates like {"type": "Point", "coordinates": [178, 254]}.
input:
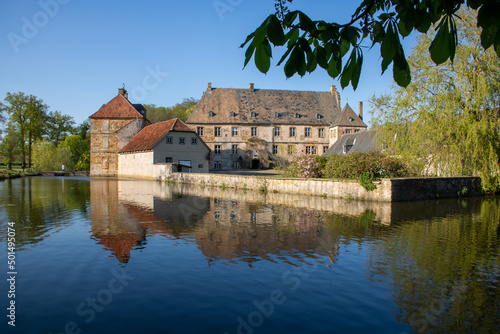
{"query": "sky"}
{"type": "Point", "coordinates": [75, 54]}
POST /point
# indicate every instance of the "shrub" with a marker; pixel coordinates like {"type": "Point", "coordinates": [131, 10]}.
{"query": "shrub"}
{"type": "Point", "coordinates": [372, 165]}
{"type": "Point", "coordinates": [305, 166]}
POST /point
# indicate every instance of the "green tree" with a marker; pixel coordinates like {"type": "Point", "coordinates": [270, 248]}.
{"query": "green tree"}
{"type": "Point", "coordinates": [28, 116]}
{"type": "Point", "coordinates": [447, 119]}
{"type": "Point", "coordinates": [9, 148]}
{"type": "Point", "coordinates": [47, 157]}
{"type": "Point", "coordinates": [180, 110]}
{"type": "Point", "coordinates": [77, 147]}
{"type": "Point", "coordinates": [338, 47]}
{"type": "Point", "coordinates": [83, 129]}
{"type": "Point", "coordinates": [59, 126]}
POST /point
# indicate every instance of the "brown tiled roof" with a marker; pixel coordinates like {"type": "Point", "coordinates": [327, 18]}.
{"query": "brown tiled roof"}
{"type": "Point", "coordinates": [148, 137]}
{"type": "Point", "coordinates": [264, 106]}
{"type": "Point", "coordinates": [349, 118]}
{"type": "Point", "coordinates": [118, 108]}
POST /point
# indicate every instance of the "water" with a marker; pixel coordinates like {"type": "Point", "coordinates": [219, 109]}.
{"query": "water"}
{"type": "Point", "coordinates": [123, 256]}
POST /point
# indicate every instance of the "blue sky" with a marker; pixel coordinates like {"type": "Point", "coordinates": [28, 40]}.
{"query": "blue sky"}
{"type": "Point", "coordinates": [75, 54]}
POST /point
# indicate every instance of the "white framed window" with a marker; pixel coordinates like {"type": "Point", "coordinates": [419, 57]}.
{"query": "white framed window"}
{"type": "Point", "coordinates": [292, 132]}
{"type": "Point", "coordinates": [199, 131]}
{"type": "Point", "coordinates": [277, 131]}
{"type": "Point", "coordinates": [275, 149]}
{"type": "Point", "coordinates": [308, 150]}
{"type": "Point", "coordinates": [325, 148]}
{"type": "Point", "coordinates": [314, 150]}
{"type": "Point", "coordinates": [307, 132]}
{"type": "Point", "coordinates": [348, 131]}
{"type": "Point", "coordinates": [321, 133]}
{"type": "Point", "coordinates": [234, 149]}
{"type": "Point", "coordinates": [217, 150]}
{"type": "Point", "coordinates": [253, 131]}
{"type": "Point", "coordinates": [291, 149]}
{"type": "Point", "coordinates": [217, 131]}
{"type": "Point", "coordinates": [234, 131]}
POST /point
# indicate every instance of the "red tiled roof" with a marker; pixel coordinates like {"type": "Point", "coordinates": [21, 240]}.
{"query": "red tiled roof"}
{"type": "Point", "coordinates": [118, 107]}
{"type": "Point", "coordinates": [147, 138]}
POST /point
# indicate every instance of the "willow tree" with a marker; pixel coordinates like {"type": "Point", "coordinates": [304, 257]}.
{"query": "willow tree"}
{"type": "Point", "coordinates": [447, 120]}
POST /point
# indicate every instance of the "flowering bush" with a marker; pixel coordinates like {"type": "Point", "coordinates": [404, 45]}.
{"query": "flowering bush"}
{"type": "Point", "coordinates": [304, 166]}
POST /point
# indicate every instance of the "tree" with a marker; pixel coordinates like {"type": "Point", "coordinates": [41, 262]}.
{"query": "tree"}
{"type": "Point", "coordinates": [180, 110]}
{"type": "Point", "coordinates": [447, 119]}
{"type": "Point", "coordinates": [47, 157]}
{"type": "Point", "coordinates": [9, 148]}
{"type": "Point", "coordinates": [83, 129]}
{"type": "Point", "coordinates": [28, 116]}
{"type": "Point", "coordinates": [59, 126]}
{"type": "Point", "coordinates": [338, 48]}
{"type": "Point", "coordinates": [77, 147]}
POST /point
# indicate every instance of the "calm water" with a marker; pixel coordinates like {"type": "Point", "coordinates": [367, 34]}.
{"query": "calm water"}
{"type": "Point", "coordinates": [109, 256]}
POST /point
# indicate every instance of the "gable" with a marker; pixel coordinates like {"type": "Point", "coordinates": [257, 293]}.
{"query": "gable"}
{"type": "Point", "coordinates": [349, 118]}
{"type": "Point", "coordinates": [118, 108]}
{"type": "Point", "coordinates": [264, 106]}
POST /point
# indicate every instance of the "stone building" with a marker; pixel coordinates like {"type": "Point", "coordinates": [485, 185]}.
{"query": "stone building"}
{"type": "Point", "coordinates": [151, 153]}
{"type": "Point", "coordinates": [255, 128]}
{"type": "Point", "coordinates": [111, 128]}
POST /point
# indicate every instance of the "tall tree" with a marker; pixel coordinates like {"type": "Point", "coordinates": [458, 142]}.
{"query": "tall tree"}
{"type": "Point", "coordinates": [59, 126]}
{"type": "Point", "coordinates": [180, 110]}
{"type": "Point", "coordinates": [28, 116]}
{"type": "Point", "coordinates": [338, 47]}
{"type": "Point", "coordinates": [9, 147]}
{"type": "Point", "coordinates": [448, 117]}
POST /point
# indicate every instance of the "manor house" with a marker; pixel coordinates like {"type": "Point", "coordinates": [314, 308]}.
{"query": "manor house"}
{"type": "Point", "coordinates": [255, 128]}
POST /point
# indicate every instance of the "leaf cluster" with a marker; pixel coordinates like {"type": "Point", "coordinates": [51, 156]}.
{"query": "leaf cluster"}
{"type": "Point", "coordinates": [338, 48]}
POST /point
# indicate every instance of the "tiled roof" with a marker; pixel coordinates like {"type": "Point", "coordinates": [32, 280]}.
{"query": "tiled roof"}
{"type": "Point", "coordinates": [119, 108]}
{"type": "Point", "coordinates": [264, 106]}
{"type": "Point", "coordinates": [349, 118]}
{"type": "Point", "coordinates": [148, 137]}
{"type": "Point", "coordinates": [363, 141]}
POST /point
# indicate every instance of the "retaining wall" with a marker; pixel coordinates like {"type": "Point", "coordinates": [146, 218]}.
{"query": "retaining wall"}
{"type": "Point", "coordinates": [388, 190]}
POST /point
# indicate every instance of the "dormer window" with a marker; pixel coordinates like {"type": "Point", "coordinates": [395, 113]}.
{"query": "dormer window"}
{"type": "Point", "coordinates": [277, 115]}
{"type": "Point", "coordinates": [211, 114]}
{"type": "Point", "coordinates": [297, 115]}
{"type": "Point", "coordinates": [318, 116]}
{"type": "Point", "coordinates": [232, 114]}
{"type": "Point", "coordinates": [253, 114]}
{"type": "Point", "coordinates": [351, 119]}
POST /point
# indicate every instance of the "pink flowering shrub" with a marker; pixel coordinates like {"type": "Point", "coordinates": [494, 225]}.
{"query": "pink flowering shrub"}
{"type": "Point", "coordinates": [304, 166]}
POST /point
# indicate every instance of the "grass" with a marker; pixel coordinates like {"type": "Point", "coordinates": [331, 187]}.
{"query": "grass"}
{"type": "Point", "coordinates": [14, 173]}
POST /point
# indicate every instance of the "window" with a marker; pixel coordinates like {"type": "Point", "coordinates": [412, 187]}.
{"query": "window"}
{"type": "Point", "coordinates": [234, 149]}
{"type": "Point", "coordinates": [235, 165]}
{"type": "Point", "coordinates": [275, 149]}
{"type": "Point", "coordinates": [307, 132]}
{"type": "Point", "coordinates": [253, 114]}
{"type": "Point", "coordinates": [170, 140]}
{"type": "Point", "coordinates": [194, 140]}
{"type": "Point", "coordinates": [277, 131]}
{"type": "Point", "coordinates": [325, 148]}
{"type": "Point", "coordinates": [308, 149]}
{"type": "Point", "coordinates": [199, 131]}
{"type": "Point", "coordinates": [217, 165]}
{"type": "Point", "coordinates": [182, 140]}
{"type": "Point", "coordinates": [321, 133]}
{"type": "Point", "coordinates": [348, 131]}
{"type": "Point", "coordinates": [217, 131]}
{"type": "Point", "coordinates": [277, 115]}
{"type": "Point", "coordinates": [314, 150]}
{"type": "Point", "coordinates": [211, 114]}
{"type": "Point", "coordinates": [357, 130]}
{"type": "Point", "coordinates": [318, 116]}
{"type": "Point", "coordinates": [254, 131]}
{"type": "Point", "coordinates": [234, 131]}
{"type": "Point", "coordinates": [200, 166]}
{"type": "Point", "coordinates": [169, 159]}
{"type": "Point", "coordinates": [297, 115]}
{"type": "Point", "coordinates": [292, 132]}
{"type": "Point", "coordinates": [232, 114]}
{"type": "Point", "coordinates": [290, 149]}
{"type": "Point", "coordinates": [217, 150]}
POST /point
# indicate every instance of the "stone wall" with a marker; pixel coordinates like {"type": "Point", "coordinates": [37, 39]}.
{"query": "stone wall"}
{"type": "Point", "coordinates": [388, 190]}
{"type": "Point", "coordinates": [140, 165]}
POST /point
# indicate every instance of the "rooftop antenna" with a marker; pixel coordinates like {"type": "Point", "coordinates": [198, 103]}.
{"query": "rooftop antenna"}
{"type": "Point", "coordinates": [123, 85]}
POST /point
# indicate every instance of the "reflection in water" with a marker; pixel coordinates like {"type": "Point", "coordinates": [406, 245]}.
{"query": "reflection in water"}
{"type": "Point", "coordinates": [435, 265]}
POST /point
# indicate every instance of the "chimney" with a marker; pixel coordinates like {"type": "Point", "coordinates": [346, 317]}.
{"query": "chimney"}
{"type": "Point", "coordinates": [123, 92]}
{"type": "Point", "coordinates": [209, 88]}
{"type": "Point", "coordinates": [251, 87]}
{"type": "Point", "coordinates": [333, 91]}
{"type": "Point", "coordinates": [360, 109]}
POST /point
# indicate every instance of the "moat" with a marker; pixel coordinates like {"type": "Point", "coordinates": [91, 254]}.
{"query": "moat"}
{"type": "Point", "coordinates": [125, 256]}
